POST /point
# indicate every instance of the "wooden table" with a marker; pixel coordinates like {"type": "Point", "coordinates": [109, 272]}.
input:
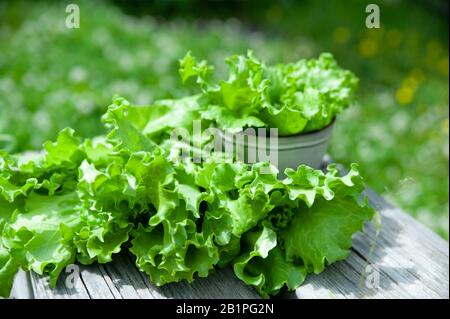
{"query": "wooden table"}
{"type": "Point", "coordinates": [404, 260]}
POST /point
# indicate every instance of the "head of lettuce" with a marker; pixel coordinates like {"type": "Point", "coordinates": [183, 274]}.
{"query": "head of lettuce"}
{"type": "Point", "coordinates": [296, 98]}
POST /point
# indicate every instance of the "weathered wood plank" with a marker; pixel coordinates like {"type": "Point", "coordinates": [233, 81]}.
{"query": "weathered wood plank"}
{"type": "Point", "coordinates": [42, 289]}
{"type": "Point", "coordinates": [134, 284]}
{"type": "Point", "coordinates": [128, 280]}
{"type": "Point", "coordinates": [220, 284]}
{"type": "Point", "coordinates": [22, 288]}
{"type": "Point", "coordinates": [87, 282]}
{"type": "Point", "coordinates": [96, 284]}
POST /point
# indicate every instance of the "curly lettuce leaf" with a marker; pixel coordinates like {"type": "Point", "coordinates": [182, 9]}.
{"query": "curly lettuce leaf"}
{"type": "Point", "coordinates": [123, 133]}
{"type": "Point", "coordinates": [190, 67]}
{"type": "Point", "coordinates": [264, 265]}
{"type": "Point", "coordinates": [8, 265]}
{"type": "Point", "coordinates": [36, 235]}
{"type": "Point", "coordinates": [8, 269]}
{"type": "Point", "coordinates": [320, 231]}
{"type": "Point", "coordinates": [229, 120]}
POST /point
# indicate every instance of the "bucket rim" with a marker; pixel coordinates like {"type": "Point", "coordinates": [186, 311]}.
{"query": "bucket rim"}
{"type": "Point", "coordinates": [301, 140]}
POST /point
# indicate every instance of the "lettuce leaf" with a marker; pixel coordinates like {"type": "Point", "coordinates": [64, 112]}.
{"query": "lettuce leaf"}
{"type": "Point", "coordinates": [264, 264]}
{"type": "Point", "coordinates": [36, 234]}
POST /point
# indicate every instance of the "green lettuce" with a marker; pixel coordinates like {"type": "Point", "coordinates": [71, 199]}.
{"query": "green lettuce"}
{"type": "Point", "coordinates": [295, 98]}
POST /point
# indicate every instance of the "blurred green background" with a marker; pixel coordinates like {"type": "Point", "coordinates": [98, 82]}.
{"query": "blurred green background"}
{"type": "Point", "coordinates": [52, 77]}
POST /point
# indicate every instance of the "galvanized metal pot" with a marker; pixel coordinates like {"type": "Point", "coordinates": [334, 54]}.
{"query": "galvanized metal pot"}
{"type": "Point", "coordinates": [307, 148]}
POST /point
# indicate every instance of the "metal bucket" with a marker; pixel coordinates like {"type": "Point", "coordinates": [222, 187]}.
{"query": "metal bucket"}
{"type": "Point", "coordinates": [308, 148]}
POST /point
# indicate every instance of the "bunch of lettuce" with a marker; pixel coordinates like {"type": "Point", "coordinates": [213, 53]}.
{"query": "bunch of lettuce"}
{"type": "Point", "coordinates": [84, 201]}
{"type": "Point", "coordinates": [295, 98]}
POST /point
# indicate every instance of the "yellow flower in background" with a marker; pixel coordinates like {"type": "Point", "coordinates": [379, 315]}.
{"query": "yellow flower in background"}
{"type": "Point", "coordinates": [410, 82]}
{"type": "Point", "coordinates": [418, 74]}
{"type": "Point", "coordinates": [445, 126]}
{"type": "Point", "coordinates": [367, 48]}
{"type": "Point", "coordinates": [341, 35]}
{"type": "Point", "coordinates": [442, 66]}
{"type": "Point", "coordinates": [394, 38]}
{"type": "Point", "coordinates": [404, 95]}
